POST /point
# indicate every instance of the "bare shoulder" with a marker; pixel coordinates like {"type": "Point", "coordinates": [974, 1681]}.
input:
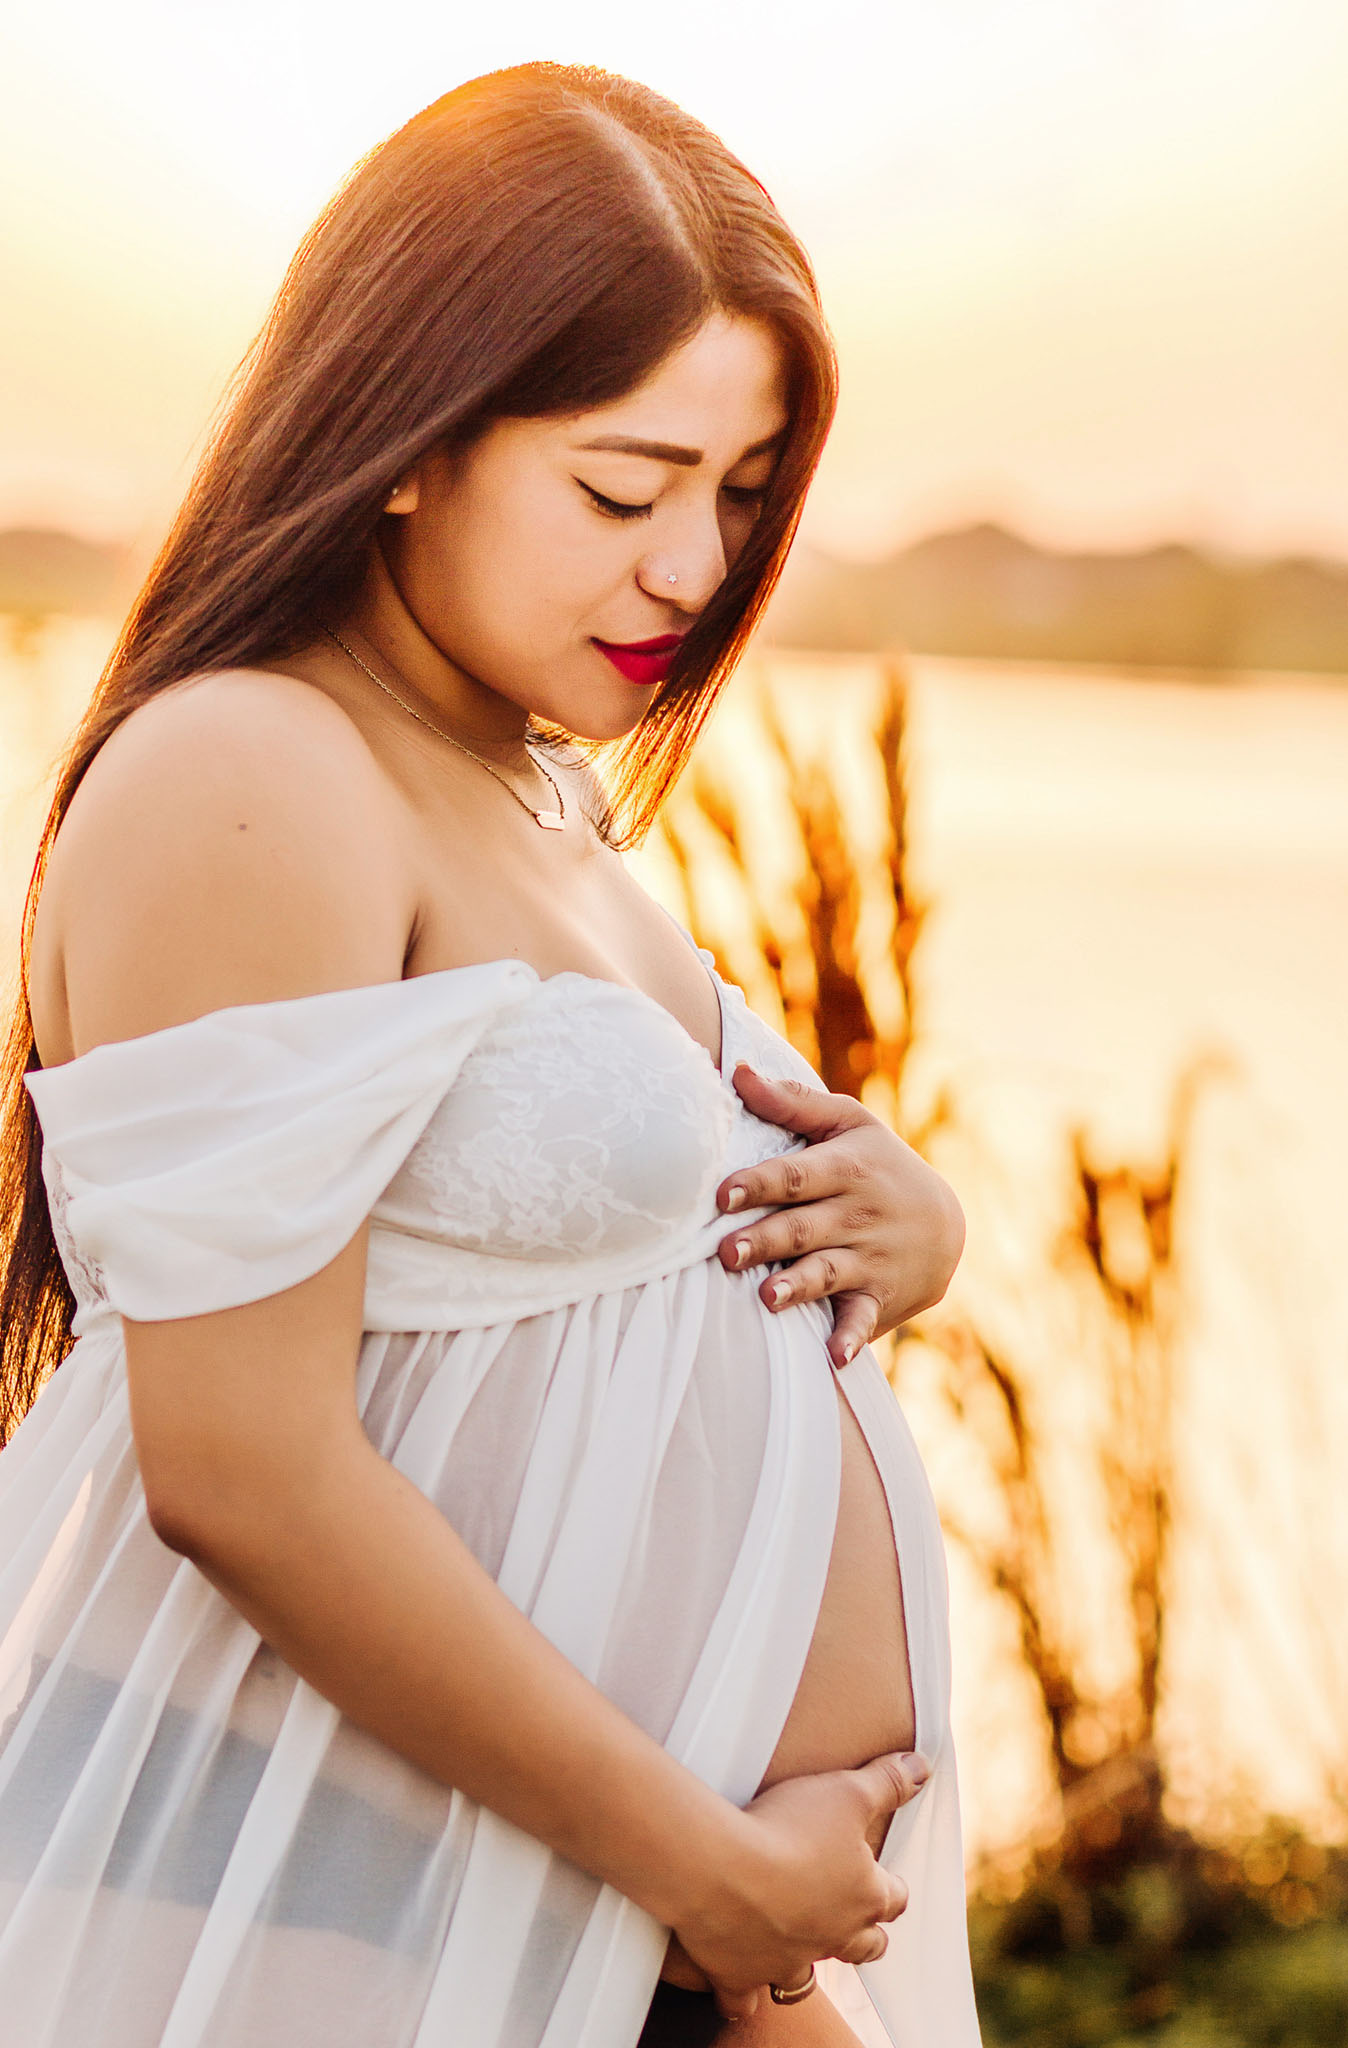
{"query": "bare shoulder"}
{"type": "Point", "coordinates": [233, 841]}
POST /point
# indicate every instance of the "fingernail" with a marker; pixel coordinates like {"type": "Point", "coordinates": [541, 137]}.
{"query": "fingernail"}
{"type": "Point", "coordinates": [778, 1291]}
{"type": "Point", "coordinates": [849, 1350]}
{"type": "Point", "coordinates": [919, 1770]}
{"type": "Point", "coordinates": [742, 1250]}
{"type": "Point", "coordinates": [735, 1198]}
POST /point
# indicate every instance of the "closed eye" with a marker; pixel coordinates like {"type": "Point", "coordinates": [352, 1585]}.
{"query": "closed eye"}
{"type": "Point", "coordinates": [615, 508]}
{"type": "Point", "coordinates": [612, 508]}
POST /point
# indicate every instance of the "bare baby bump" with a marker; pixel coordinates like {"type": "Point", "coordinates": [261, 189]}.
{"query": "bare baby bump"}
{"type": "Point", "coordinates": [855, 1696]}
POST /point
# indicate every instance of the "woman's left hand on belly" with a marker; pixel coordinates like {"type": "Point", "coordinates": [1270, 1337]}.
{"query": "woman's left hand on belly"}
{"type": "Point", "coordinates": [862, 1218]}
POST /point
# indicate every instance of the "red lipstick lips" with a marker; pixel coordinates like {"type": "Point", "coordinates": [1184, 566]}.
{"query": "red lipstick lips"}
{"type": "Point", "coordinates": [643, 661]}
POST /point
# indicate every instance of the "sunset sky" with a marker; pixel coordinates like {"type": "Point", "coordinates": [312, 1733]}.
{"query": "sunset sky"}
{"type": "Point", "coordinates": [1086, 260]}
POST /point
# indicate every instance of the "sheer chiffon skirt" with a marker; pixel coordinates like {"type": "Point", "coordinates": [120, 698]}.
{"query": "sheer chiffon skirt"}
{"type": "Point", "coordinates": [198, 1850]}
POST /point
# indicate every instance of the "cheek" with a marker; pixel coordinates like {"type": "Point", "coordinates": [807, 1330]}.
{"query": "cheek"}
{"type": "Point", "coordinates": [532, 572]}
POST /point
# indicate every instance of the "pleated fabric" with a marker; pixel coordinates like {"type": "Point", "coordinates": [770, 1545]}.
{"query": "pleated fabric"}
{"type": "Point", "coordinates": [196, 1848]}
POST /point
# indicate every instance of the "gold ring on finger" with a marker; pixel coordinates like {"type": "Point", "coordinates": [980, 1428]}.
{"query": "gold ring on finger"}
{"type": "Point", "coordinates": [780, 1995]}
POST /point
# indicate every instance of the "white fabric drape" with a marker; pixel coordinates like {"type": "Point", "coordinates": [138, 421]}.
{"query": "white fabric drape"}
{"type": "Point", "coordinates": [196, 1848]}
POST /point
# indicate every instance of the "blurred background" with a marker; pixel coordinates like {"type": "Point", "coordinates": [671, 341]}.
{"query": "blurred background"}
{"type": "Point", "coordinates": [1026, 816]}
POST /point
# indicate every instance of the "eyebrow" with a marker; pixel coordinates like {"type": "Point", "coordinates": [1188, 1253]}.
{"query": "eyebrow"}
{"type": "Point", "coordinates": [669, 451]}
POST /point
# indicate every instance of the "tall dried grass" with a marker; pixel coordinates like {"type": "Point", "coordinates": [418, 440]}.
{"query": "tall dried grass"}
{"type": "Point", "coordinates": [1117, 1249]}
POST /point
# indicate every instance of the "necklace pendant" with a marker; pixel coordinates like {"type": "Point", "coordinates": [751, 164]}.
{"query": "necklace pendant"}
{"type": "Point", "coordinates": [551, 821]}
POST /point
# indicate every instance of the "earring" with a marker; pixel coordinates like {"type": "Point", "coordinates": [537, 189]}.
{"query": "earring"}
{"type": "Point", "coordinates": [391, 499]}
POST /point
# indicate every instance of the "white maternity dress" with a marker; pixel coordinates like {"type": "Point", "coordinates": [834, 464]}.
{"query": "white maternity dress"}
{"type": "Point", "coordinates": [197, 1850]}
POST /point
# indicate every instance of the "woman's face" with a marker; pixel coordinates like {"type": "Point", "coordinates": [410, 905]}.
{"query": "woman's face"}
{"type": "Point", "coordinates": [515, 559]}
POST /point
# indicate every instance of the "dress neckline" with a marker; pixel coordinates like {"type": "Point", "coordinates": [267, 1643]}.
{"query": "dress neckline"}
{"type": "Point", "coordinates": [442, 975]}
{"type": "Point", "coordinates": [630, 988]}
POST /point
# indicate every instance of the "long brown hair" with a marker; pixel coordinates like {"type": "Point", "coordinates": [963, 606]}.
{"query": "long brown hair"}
{"type": "Point", "coordinates": [534, 243]}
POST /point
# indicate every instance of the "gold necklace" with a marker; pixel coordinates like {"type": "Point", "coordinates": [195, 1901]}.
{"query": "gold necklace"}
{"type": "Point", "coordinates": [551, 821]}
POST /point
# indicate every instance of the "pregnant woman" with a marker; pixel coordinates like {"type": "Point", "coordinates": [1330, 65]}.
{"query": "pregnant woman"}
{"type": "Point", "coordinates": [449, 1592]}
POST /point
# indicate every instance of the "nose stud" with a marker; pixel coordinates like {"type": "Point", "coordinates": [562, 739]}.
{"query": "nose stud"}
{"type": "Point", "coordinates": [671, 578]}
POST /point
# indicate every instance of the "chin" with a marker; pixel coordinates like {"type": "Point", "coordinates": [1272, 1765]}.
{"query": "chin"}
{"type": "Point", "coordinates": [614, 728]}
{"type": "Point", "coordinates": [597, 722]}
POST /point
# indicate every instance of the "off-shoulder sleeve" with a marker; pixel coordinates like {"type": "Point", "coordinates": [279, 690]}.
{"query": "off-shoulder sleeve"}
{"type": "Point", "coordinates": [224, 1159]}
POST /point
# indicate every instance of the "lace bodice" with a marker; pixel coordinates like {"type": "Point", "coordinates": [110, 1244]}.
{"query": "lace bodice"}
{"type": "Point", "coordinates": [574, 1142]}
{"type": "Point", "coordinates": [582, 1123]}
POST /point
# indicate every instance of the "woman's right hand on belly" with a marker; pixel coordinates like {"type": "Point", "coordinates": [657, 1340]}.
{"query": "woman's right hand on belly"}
{"type": "Point", "coordinates": [807, 1886]}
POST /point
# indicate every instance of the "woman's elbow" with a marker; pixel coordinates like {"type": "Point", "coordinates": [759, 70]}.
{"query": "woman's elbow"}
{"type": "Point", "coordinates": [184, 1515]}
{"type": "Point", "coordinates": [218, 1503]}
{"type": "Point", "coordinates": [239, 1504]}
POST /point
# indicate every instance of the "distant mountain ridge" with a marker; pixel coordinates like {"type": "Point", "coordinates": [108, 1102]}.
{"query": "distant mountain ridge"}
{"type": "Point", "coordinates": [984, 591]}
{"type": "Point", "coordinates": [43, 570]}
{"type": "Point", "coordinates": [980, 590]}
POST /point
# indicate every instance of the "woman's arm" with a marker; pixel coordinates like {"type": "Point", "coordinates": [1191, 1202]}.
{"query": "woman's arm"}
{"type": "Point", "coordinates": [232, 846]}
{"type": "Point", "coordinates": [256, 1467]}
{"type": "Point", "coordinates": [863, 1218]}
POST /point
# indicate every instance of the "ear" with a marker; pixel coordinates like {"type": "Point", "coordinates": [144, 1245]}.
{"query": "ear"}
{"type": "Point", "coordinates": [405, 495]}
